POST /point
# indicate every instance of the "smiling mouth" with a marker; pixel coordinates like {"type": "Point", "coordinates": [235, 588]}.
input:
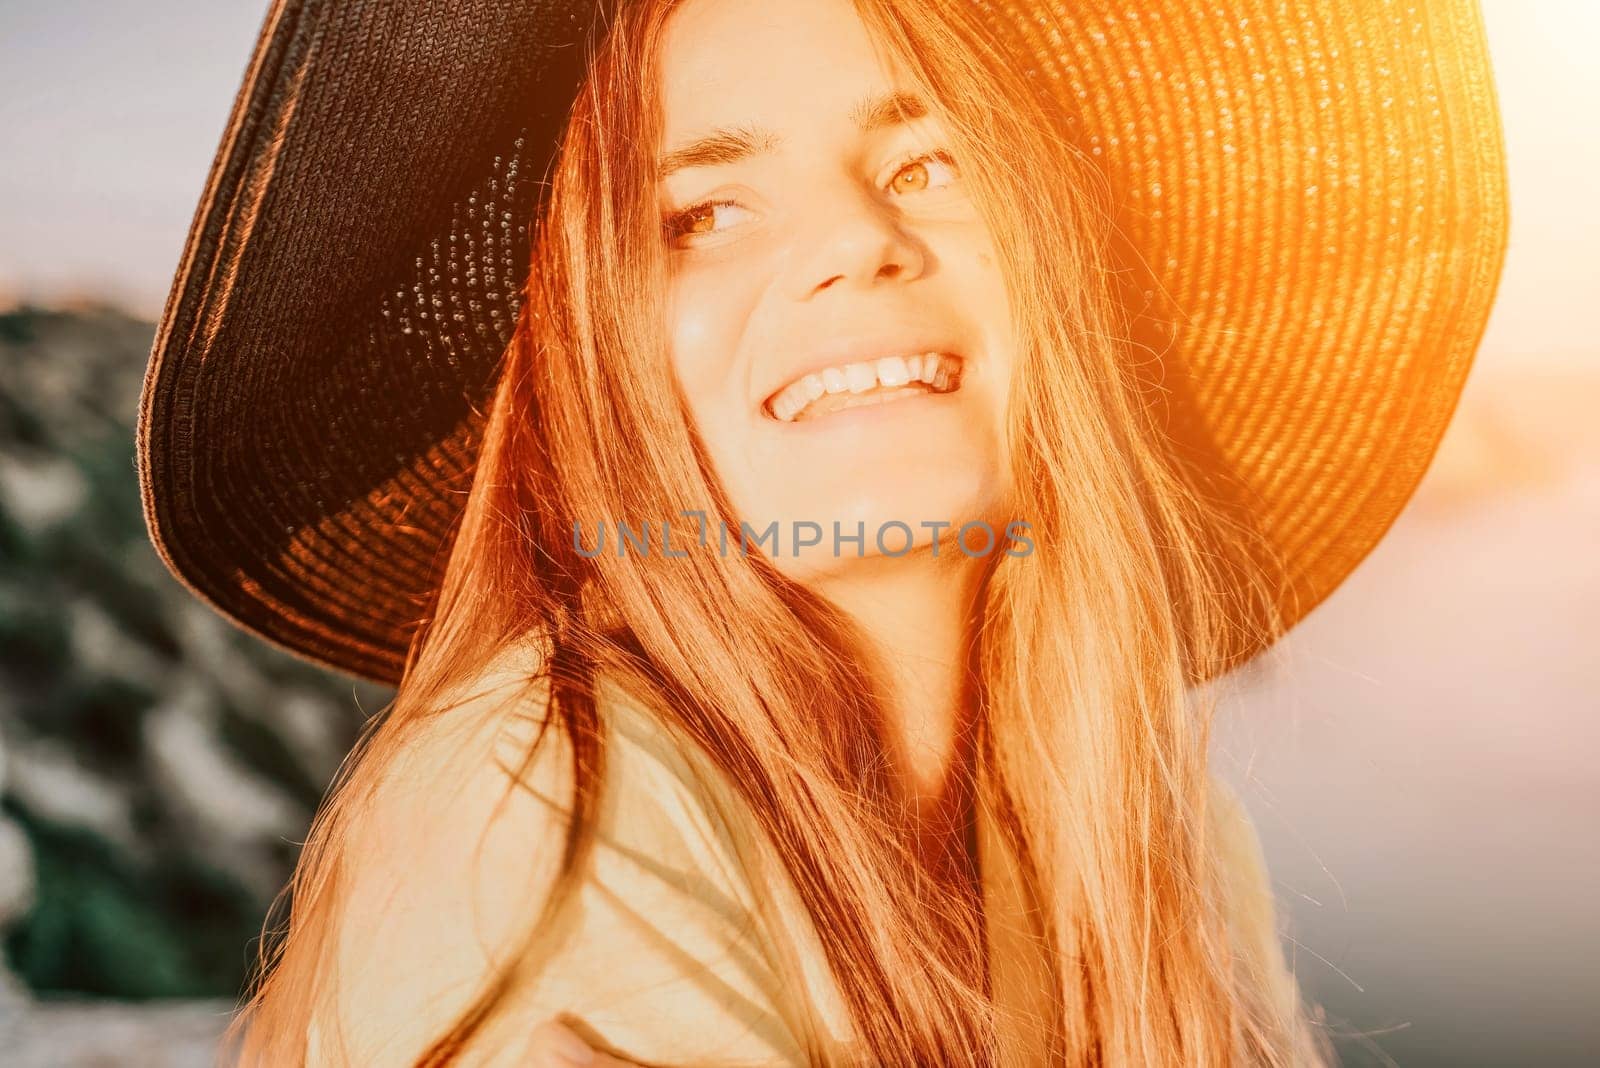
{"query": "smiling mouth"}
{"type": "Point", "coordinates": [853, 385]}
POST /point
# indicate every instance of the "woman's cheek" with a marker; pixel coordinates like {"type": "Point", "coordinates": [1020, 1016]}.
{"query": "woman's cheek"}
{"type": "Point", "coordinates": [699, 347]}
{"type": "Point", "coordinates": [713, 303]}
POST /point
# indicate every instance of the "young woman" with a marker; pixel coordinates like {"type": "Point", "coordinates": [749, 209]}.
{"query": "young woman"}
{"type": "Point", "coordinates": [891, 418]}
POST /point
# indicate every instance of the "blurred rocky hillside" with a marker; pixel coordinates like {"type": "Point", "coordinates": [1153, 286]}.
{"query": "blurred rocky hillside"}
{"type": "Point", "coordinates": [158, 766]}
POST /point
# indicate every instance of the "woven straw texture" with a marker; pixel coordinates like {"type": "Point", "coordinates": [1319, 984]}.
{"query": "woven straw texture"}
{"type": "Point", "coordinates": [1313, 192]}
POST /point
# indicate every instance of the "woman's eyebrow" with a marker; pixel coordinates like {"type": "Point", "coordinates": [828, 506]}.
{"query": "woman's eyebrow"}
{"type": "Point", "coordinates": [732, 144]}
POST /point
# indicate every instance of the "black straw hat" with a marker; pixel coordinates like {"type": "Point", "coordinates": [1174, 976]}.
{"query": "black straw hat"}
{"type": "Point", "coordinates": [1319, 193]}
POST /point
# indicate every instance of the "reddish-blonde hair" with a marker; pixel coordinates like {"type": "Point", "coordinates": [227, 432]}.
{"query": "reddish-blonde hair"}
{"type": "Point", "coordinates": [1085, 647]}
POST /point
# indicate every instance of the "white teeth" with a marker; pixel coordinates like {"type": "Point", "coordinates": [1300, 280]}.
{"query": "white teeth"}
{"type": "Point", "coordinates": [892, 371]}
{"type": "Point", "coordinates": [860, 376]}
{"type": "Point", "coordinates": [940, 373]}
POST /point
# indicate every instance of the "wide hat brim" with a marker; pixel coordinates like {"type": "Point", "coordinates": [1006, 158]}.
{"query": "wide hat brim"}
{"type": "Point", "coordinates": [1317, 193]}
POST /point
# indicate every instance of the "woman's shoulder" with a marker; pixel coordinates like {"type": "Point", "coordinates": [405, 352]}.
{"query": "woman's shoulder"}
{"type": "Point", "coordinates": [660, 954]}
{"type": "Point", "coordinates": [1250, 903]}
{"type": "Point", "coordinates": [435, 866]}
{"type": "Point", "coordinates": [662, 809]}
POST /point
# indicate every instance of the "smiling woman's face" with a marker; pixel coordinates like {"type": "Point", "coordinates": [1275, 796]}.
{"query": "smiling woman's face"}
{"type": "Point", "coordinates": [825, 260]}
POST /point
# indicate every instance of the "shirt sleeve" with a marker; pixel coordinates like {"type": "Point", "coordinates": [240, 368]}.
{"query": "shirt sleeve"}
{"type": "Point", "coordinates": [656, 957]}
{"type": "Point", "coordinates": [1251, 907]}
{"type": "Point", "coordinates": [663, 960]}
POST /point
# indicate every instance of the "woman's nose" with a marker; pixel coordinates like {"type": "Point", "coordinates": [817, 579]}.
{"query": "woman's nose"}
{"type": "Point", "coordinates": [852, 238]}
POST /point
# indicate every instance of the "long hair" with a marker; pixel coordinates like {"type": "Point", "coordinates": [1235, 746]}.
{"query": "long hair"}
{"type": "Point", "coordinates": [1085, 649]}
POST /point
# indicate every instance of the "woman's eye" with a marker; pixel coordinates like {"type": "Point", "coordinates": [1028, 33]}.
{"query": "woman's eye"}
{"type": "Point", "coordinates": [922, 173]}
{"type": "Point", "coordinates": [932, 171]}
{"type": "Point", "coordinates": [698, 219]}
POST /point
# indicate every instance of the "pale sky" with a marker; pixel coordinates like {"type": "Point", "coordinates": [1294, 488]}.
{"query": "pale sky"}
{"type": "Point", "coordinates": [110, 113]}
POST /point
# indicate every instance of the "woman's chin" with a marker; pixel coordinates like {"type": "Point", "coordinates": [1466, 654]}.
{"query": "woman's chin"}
{"type": "Point", "coordinates": [840, 538]}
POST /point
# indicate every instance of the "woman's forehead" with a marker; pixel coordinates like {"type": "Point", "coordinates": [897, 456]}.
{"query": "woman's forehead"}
{"type": "Point", "coordinates": [771, 67]}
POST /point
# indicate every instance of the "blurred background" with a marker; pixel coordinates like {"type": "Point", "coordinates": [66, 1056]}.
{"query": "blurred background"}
{"type": "Point", "coordinates": [1419, 755]}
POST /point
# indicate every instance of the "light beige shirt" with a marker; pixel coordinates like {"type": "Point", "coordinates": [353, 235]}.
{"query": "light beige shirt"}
{"type": "Point", "coordinates": [666, 955]}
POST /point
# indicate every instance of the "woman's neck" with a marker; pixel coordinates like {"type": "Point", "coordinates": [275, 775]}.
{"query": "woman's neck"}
{"type": "Point", "coordinates": [915, 613]}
